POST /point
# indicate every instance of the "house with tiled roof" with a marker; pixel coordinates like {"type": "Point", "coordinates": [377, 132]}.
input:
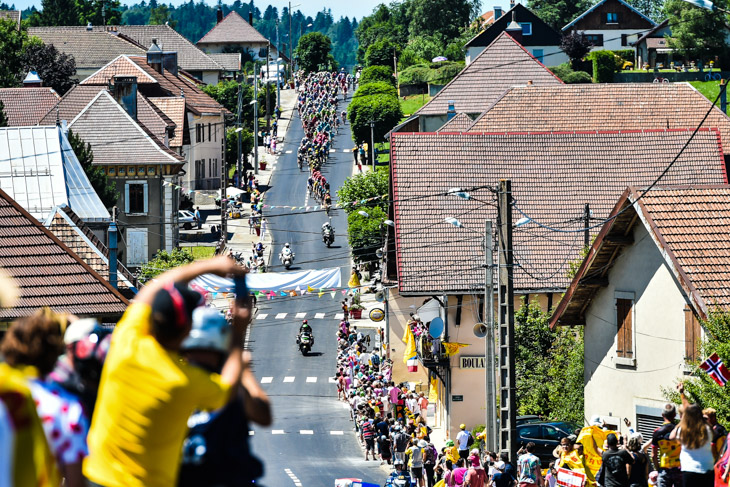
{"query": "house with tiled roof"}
{"type": "Point", "coordinates": [459, 123]}
{"type": "Point", "coordinates": [143, 168]}
{"type": "Point", "coordinates": [232, 33]}
{"type": "Point", "coordinates": [203, 126]}
{"type": "Point", "coordinates": [76, 235]}
{"type": "Point", "coordinates": [504, 63]}
{"type": "Point", "coordinates": [40, 171]}
{"type": "Point", "coordinates": [116, 40]}
{"type": "Point", "coordinates": [13, 15]}
{"type": "Point", "coordinates": [537, 37]}
{"type": "Point", "coordinates": [655, 272]}
{"type": "Point", "coordinates": [652, 47]}
{"type": "Point", "coordinates": [27, 105]}
{"type": "Point", "coordinates": [554, 176]}
{"type": "Point", "coordinates": [611, 25]}
{"type": "Point", "coordinates": [48, 273]}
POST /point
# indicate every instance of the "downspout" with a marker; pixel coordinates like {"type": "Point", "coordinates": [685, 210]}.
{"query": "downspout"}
{"type": "Point", "coordinates": [447, 403]}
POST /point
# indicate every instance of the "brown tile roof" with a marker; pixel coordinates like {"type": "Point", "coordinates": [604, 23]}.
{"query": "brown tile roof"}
{"type": "Point", "coordinates": [460, 123]}
{"type": "Point", "coordinates": [189, 57]}
{"type": "Point", "coordinates": [553, 176]}
{"type": "Point", "coordinates": [691, 224]}
{"type": "Point", "coordinates": [656, 43]}
{"type": "Point", "coordinates": [502, 64]}
{"type": "Point", "coordinates": [120, 66]}
{"type": "Point", "coordinates": [73, 232]}
{"type": "Point", "coordinates": [230, 62]}
{"type": "Point", "coordinates": [605, 106]}
{"type": "Point", "coordinates": [27, 106]}
{"type": "Point", "coordinates": [174, 108]}
{"type": "Point", "coordinates": [13, 15]}
{"type": "Point", "coordinates": [47, 272]}
{"type": "Point", "coordinates": [233, 30]}
{"type": "Point", "coordinates": [90, 49]}
{"type": "Point", "coordinates": [117, 139]}
{"type": "Point", "coordinates": [152, 118]}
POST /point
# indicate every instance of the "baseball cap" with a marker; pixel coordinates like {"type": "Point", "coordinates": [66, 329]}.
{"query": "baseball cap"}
{"type": "Point", "coordinates": [462, 426]}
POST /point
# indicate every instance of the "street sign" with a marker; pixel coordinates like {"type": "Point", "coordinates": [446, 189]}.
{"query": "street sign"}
{"type": "Point", "coordinates": [377, 314]}
{"type": "Point", "coordinates": [457, 398]}
{"type": "Point", "coordinates": [476, 362]}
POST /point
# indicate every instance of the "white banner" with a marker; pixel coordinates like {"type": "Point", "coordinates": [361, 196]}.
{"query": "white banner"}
{"type": "Point", "coordinates": [324, 279]}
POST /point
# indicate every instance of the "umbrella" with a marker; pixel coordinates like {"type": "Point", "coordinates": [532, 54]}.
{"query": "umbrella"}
{"type": "Point", "coordinates": [438, 59]}
{"type": "Point", "coordinates": [232, 192]}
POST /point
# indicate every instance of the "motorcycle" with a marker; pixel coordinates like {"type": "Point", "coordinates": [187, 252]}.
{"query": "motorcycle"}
{"type": "Point", "coordinates": [305, 343]}
{"type": "Point", "coordinates": [398, 481]}
{"type": "Point", "coordinates": [328, 237]}
{"type": "Point", "coordinates": [287, 259]}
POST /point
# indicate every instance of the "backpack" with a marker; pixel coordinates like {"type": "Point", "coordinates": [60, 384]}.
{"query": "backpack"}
{"type": "Point", "coordinates": [429, 456]}
{"type": "Point", "coordinates": [401, 442]}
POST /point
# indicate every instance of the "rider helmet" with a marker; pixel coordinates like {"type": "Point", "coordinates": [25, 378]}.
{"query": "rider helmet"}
{"type": "Point", "coordinates": [210, 331]}
{"type": "Point", "coordinates": [286, 245]}
{"type": "Point", "coordinates": [305, 322]}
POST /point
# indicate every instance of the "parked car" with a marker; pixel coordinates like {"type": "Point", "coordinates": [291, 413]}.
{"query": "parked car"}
{"type": "Point", "coordinates": [546, 437]}
{"type": "Point", "coordinates": [528, 418]}
{"type": "Point", "coordinates": [186, 219]}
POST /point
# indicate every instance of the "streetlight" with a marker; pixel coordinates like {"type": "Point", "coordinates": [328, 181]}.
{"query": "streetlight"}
{"type": "Point", "coordinates": [255, 102]}
{"type": "Point", "coordinates": [707, 5]}
{"type": "Point", "coordinates": [372, 142]}
{"type": "Point", "coordinates": [278, 87]}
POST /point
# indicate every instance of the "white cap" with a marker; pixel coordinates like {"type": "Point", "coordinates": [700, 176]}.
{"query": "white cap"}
{"type": "Point", "coordinates": [79, 329]}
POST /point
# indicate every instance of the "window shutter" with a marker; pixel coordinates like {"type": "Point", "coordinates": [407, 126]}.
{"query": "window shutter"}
{"type": "Point", "coordinates": [625, 346]}
{"type": "Point", "coordinates": [692, 335]}
{"type": "Point", "coordinates": [145, 248]}
{"type": "Point", "coordinates": [144, 192]}
{"type": "Point", "coordinates": [126, 197]}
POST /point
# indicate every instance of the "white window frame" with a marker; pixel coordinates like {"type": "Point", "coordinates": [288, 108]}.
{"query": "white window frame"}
{"type": "Point", "coordinates": [630, 295]}
{"type": "Point", "coordinates": [529, 28]}
{"type": "Point", "coordinates": [145, 194]}
{"type": "Point", "coordinates": [145, 254]}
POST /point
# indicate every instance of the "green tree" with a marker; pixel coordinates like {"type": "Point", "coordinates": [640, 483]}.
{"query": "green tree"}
{"type": "Point", "coordinates": [161, 16]}
{"type": "Point", "coordinates": [383, 110]}
{"type": "Point", "coordinates": [375, 88]}
{"type": "Point", "coordinates": [381, 53]}
{"type": "Point", "coordinates": [314, 51]}
{"type": "Point", "coordinates": [366, 233]}
{"type": "Point", "coordinates": [540, 353]}
{"type": "Point", "coordinates": [232, 145]}
{"type": "Point", "coordinates": [372, 74]}
{"type": "Point", "coordinates": [3, 117]}
{"type": "Point", "coordinates": [56, 12]}
{"type": "Point", "coordinates": [697, 34]}
{"type": "Point", "coordinates": [164, 261]}
{"type": "Point", "coordinates": [363, 186]}
{"type": "Point", "coordinates": [558, 13]}
{"type": "Point", "coordinates": [55, 68]}
{"type": "Point", "coordinates": [576, 46]}
{"type": "Point", "coordinates": [654, 9]}
{"type": "Point", "coordinates": [105, 189]}
{"type": "Point", "coordinates": [11, 45]}
{"type": "Point", "coordinates": [99, 12]}
{"type": "Point", "coordinates": [444, 17]}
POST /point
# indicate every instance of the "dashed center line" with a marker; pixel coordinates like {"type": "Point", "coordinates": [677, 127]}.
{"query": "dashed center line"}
{"type": "Point", "coordinates": [277, 432]}
{"type": "Point", "coordinates": [340, 316]}
{"type": "Point", "coordinates": [337, 433]}
{"type": "Point", "coordinates": [280, 316]}
{"type": "Point", "coordinates": [332, 380]}
{"type": "Point", "coordinates": [288, 378]}
{"type": "Point", "coordinates": [266, 380]}
{"type": "Point", "coordinates": [262, 316]}
{"type": "Point", "coordinates": [306, 432]}
{"type": "Point", "coordinates": [311, 379]}
{"type": "Point", "coordinates": [301, 315]}
{"type": "Point", "coordinates": [319, 316]}
{"type": "Point", "coordinates": [289, 152]}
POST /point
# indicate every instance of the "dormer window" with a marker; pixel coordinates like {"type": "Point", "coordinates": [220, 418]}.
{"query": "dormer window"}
{"type": "Point", "coordinates": [612, 18]}
{"type": "Point", "coordinates": [526, 28]}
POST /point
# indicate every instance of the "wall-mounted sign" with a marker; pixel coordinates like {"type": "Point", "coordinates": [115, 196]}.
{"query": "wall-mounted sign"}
{"type": "Point", "coordinates": [377, 314]}
{"type": "Point", "coordinates": [457, 398]}
{"type": "Point", "coordinates": [471, 362]}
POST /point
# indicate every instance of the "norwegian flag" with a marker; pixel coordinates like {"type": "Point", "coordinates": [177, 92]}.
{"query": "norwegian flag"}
{"type": "Point", "coordinates": [717, 370]}
{"type": "Point", "coordinates": [569, 478]}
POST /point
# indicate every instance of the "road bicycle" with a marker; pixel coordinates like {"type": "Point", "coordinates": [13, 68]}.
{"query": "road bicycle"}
{"type": "Point", "coordinates": [661, 80]}
{"type": "Point", "coordinates": [712, 76]}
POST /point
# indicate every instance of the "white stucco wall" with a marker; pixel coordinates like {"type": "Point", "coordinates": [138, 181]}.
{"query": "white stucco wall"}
{"type": "Point", "coordinates": [612, 38]}
{"type": "Point", "coordinates": [615, 390]}
{"type": "Point", "coordinates": [552, 55]}
{"type": "Point", "coordinates": [209, 150]}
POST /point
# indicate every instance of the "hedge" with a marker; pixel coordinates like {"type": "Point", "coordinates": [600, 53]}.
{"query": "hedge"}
{"type": "Point", "coordinates": [604, 65]}
{"type": "Point", "coordinates": [566, 73]}
{"type": "Point", "coordinates": [372, 74]}
{"type": "Point", "coordinates": [376, 88]}
{"type": "Point", "coordinates": [384, 110]}
{"type": "Point", "coordinates": [445, 73]}
{"type": "Point", "coordinates": [415, 74]}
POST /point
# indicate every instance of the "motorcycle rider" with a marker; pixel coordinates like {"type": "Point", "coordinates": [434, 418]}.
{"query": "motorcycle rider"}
{"type": "Point", "coordinates": [258, 249]}
{"type": "Point", "coordinates": [328, 232]}
{"type": "Point", "coordinates": [305, 329]}
{"type": "Point", "coordinates": [286, 252]}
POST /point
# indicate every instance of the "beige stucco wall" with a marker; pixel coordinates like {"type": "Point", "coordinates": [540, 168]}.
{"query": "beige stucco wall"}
{"type": "Point", "coordinates": [613, 390]}
{"type": "Point", "coordinates": [211, 149]}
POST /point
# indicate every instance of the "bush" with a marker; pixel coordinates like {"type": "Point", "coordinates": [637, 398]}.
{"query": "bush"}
{"type": "Point", "coordinates": [380, 53]}
{"type": "Point", "coordinates": [414, 75]}
{"type": "Point", "coordinates": [577, 77]}
{"type": "Point", "coordinates": [372, 74]}
{"type": "Point", "coordinates": [363, 186]}
{"type": "Point", "coordinates": [604, 65]}
{"type": "Point", "coordinates": [625, 54]}
{"type": "Point", "coordinates": [445, 73]}
{"type": "Point", "coordinates": [164, 261]}
{"type": "Point", "coordinates": [562, 70]}
{"type": "Point", "coordinates": [384, 110]}
{"type": "Point", "coordinates": [365, 233]}
{"type": "Point", "coordinates": [377, 88]}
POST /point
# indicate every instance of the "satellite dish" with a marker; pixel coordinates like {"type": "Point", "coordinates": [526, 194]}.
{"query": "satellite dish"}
{"type": "Point", "coordinates": [436, 327]}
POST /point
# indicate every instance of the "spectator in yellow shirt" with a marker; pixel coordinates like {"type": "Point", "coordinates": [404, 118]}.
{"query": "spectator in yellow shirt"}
{"type": "Point", "coordinates": [147, 391]}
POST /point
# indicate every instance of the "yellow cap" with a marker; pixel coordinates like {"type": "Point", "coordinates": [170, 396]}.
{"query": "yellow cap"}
{"type": "Point", "coordinates": [462, 426]}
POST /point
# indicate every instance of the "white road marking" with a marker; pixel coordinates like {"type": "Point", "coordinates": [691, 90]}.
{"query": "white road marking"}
{"type": "Point", "coordinates": [266, 380]}
{"type": "Point", "coordinates": [332, 380]}
{"type": "Point", "coordinates": [311, 379]}
{"type": "Point", "coordinates": [306, 432]}
{"type": "Point", "coordinates": [280, 316]}
{"type": "Point", "coordinates": [251, 433]}
{"type": "Point", "coordinates": [306, 198]}
{"type": "Point", "coordinates": [288, 378]}
{"type": "Point", "coordinates": [337, 433]}
{"type": "Point", "coordinates": [277, 432]}
{"type": "Point", "coordinates": [319, 316]}
{"type": "Point", "coordinates": [289, 152]}
{"type": "Point", "coordinates": [262, 316]}
{"type": "Point", "coordinates": [293, 477]}
{"type": "Point", "coordinates": [301, 315]}
{"type": "Point", "coordinates": [340, 316]}
{"type": "Point", "coordinates": [332, 150]}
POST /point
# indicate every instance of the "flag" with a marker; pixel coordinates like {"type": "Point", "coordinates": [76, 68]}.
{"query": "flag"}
{"type": "Point", "coordinates": [309, 289]}
{"type": "Point", "coordinates": [410, 357]}
{"type": "Point", "coordinates": [433, 391]}
{"type": "Point", "coordinates": [716, 368]}
{"type": "Point", "coordinates": [452, 348]}
{"type": "Point", "coordinates": [570, 478]}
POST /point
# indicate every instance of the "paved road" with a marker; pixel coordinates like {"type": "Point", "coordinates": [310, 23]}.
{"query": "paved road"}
{"type": "Point", "coordinates": [311, 441]}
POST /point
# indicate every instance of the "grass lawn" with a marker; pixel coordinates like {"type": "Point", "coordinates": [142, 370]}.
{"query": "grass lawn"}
{"type": "Point", "coordinates": [412, 103]}
{"type": "Point", "coordinates": [708, 88]}
{"type": "Point", "coordinates": [199, 252]}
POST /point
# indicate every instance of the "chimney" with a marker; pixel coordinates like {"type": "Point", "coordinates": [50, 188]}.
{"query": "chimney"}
{"type": "Point", "coordinates": [451, 113]}
{"type": "Point", "coordinates": [112, 236]}
{"type": "Point", "coordinates": [497, 12]}
{"type": "Point", "coordinates": [169, 62]}
{"type": "Point", "coordinates": [511, 4]}
{"type": "Point", "coordinates": [219, 15]}
{"type": "Point", "coordinates": [154, 56]}
{"type": "Point", "coordinates": [32, 80]}
{"type": "Point", "coordinates": [250, 17]}
{"type": "Point", "coordinates": [89, 27]}
{"type": "Point", "coordinates": [125, 93]}
{"type": "Point", "coordinates": [514, 29]}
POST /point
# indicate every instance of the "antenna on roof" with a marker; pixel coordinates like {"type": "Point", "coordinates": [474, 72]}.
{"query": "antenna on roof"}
{"type": "Point", "coordinates": [89, 27]}
{"type": "Point", "coordinates": [58, 118]}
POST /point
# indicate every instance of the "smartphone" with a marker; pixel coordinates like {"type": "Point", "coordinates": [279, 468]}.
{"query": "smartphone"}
{"type": "Point", "coordinates": [243, 297]}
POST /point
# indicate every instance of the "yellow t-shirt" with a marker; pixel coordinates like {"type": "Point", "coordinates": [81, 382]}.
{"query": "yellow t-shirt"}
{"type": "Point", "coordinates": [145, 398]}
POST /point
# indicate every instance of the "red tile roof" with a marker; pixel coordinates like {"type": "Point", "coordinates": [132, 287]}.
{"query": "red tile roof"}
{"type": "Point", "coordinates": [174, 108]}
{"type": "Point", "coordinates": [27, 106]}
{"type": "Point", "coordinates": [553, 176]}
{"type": "Point", "coordinates": [47, 272]}
{"type": "Point", "coordinates": [690, 224]}
{"type": "Point", "coordinates": [460, 123]}
{"type": "Point", "coordinates": [233, 30]}
{"type": "Point", "coordinates": [504, 63]}
{"type": "Point", "coordinates": [605, 106]}
{"type": "Point", "coordinates": [13, 15]}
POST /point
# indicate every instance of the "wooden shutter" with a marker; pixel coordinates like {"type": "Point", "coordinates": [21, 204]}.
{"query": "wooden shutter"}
{"type": "Point", "coordinates": [145, 193]}
{"type": "Point", "coordinates": [126, 197]}
{"type": "Point", "coordinates": [625, 328]}
{"type": "Point", "coordinates": [692, 335]}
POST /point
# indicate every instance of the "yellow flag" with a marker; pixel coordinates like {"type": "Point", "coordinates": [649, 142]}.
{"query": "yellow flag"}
{"type": "Point", "coordinates": [354, 280]}
{"type": "Point", "coordinates": [309, 289]}
{"type": "Point", "coordinates": [410, 351]}
{"type": "Point", "coordinates": [433, 391]}
{"type": "Point", "coordinates": [452, 348]}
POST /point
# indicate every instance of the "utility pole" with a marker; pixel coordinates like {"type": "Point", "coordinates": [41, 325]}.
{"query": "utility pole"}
{"type": "Point", "coordinates": [507, 396]}
{"type": "Point", "coordinates": [224, 197]}
{"type": "Point", "coordinates": [278, 56]}
{"type": "Point", "coordinates": [372, 143]}
{"type": "Point", "coordinates": [239, 162]}
{"type": "Point", "coordinates": [587, 225]}
{"type": "Point", "coordinates": [255, 121]}
{"type": "Point", "coordinates": [291, 41]}
{"type": "Point", "coordinates": [489, 352]}
{"type": "Point", "coordinates": [267, 91]}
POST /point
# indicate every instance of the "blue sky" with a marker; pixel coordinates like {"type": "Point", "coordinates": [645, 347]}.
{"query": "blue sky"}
{"type": "Point", "coordinates": [358, 9]}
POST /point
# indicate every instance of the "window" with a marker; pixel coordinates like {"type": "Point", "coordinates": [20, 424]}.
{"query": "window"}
{"type": "Point", "coordinates": [526, 28]}
{"type": "Point", "coordinates": [135, 198]}
{"type": "Point", "coordinates": [612, 18]}
{"type": "Point", "coordinates": [210, 168]}
{"type": "Point", "coordinates": [624, 39]}
{"type": "Point", "coordinates": [529, 431]}
{"type": "Point", "coordinates": [692, 336]}
{"type": "Point", "coordinates": [550, 433]}
{"type": "Point", "coordinates": [625, 330]}
{"type": "Point", "coordinates": [538, 53]}
{"type": "Point", "coordinates": [209, 133]}
{"type": "Point", "coordinates": [595, 39]}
